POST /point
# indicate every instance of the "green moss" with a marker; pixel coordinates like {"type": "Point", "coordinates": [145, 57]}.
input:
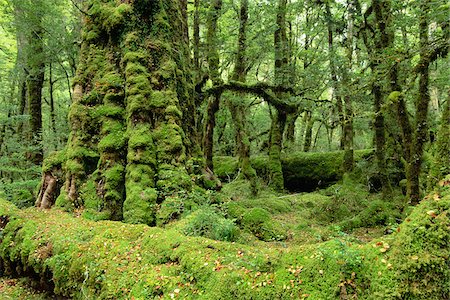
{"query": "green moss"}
{"type": "Point", "coordinates": [140, 204]}
{"type": "Point", "coordinates": [172, 110]}
{"type": "Point", "coordinates": [140, 172]}
{"type": "Point", "coordinates": [112, 260]}
{"type": "Point", "coordinates": [134, 56]}
{"type": "Point", "coordinates": [110, 16]}
{"type": "Point", "coordinates": [171, 180]}
{"type": "Point", "coordinates": [114, 176]}
{"type": "Point", "coordinates": [140, 137]}
{"type": "Point", "coordinates": [170, 209]}
{"type": "Point", "coordinates": [63, 201]}
{"type": "Point", "coordinates": [225, 167]}
{"type": "Point", "coordinates": [421, 251]}
{"type": "Point", "coordinates": [111, 142]}
{"type": "Point", "coordinates": [258, 221]}
{"type": "Point", "coordinates": [110, 111]}
{"type": "Point", "coordinates": [169, 138]}
{"type": "Point", "coordinates": [54, 160]}
{"type": "Point", "coordinates": [162, 99]}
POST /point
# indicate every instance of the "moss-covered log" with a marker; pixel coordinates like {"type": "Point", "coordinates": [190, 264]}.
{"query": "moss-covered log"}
{"type": "Point", "coordinates": [132, 140]}
{"type": "Point", "coordinates": [302, 172]}
{"type": "Point", "coordinates": [83, 259]}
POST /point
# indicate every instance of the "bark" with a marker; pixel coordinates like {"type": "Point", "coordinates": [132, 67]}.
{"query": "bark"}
{"type": "Point", "coordinates": [213, 65]}
{"type": "Point", "coordinates": [333, 72]}
{"type": "Point", "coordinates": [282, 77]}
{"type": "Point", "coordinates": [348, 163]}
{"type": "Point", "coordinates": [236, 105]}
{"type": "Point", "coordinates": [51, 84]}
{"type": "Point", "coordinates": [421, 124]}
{"type": "Point", "coordinates": [35, 83]}
{"type": "Point", "coordinates": [196, 44]}
{"type": "Point", "coordinates": [376, 44]}
{"type": "Point", "coordinates": [309, 120]}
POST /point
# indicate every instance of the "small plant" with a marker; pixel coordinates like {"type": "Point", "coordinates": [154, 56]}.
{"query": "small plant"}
{"type": "Point", "coordinates": [208, 223]}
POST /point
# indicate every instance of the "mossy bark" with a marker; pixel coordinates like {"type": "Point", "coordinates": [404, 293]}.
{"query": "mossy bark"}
{"type": "Point", "coordinates": [237, 106]}
{"type": "Point", "coordinates": [130, 130]}
{"type": "Point", "coordinates": [213, 70]}
{"type": "Point", "coordinates": [282, 77]}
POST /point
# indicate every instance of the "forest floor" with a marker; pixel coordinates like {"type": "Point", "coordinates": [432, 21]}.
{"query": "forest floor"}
{"type": "Point", "coordinates": [334, 240]}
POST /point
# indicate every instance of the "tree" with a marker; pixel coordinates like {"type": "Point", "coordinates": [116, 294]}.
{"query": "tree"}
{"type": "Point", "coordinates": [130, 123]}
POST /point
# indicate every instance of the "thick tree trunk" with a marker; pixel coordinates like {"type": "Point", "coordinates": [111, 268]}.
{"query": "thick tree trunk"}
{"type": "Point", "coordinates": [127, 149]}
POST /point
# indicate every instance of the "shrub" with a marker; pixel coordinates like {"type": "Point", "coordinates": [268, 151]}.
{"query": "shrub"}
{"type": "Point", "coordinates": [208, 223]}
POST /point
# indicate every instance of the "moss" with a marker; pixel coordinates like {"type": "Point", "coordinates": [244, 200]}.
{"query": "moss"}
{"type": "Point", "coordinates": [112, 260]}
{"type": "Point", "coordinates": [172, 110]}
{"type": "Point", "coordinates": [134, 56]}
{"type": "Point", "coordinates": [110, 111]}
{"type": "Point", "coordinates": [162, 99]}
{"type": "Point", "coordinates": [170, 209]}
{"type": "Point", "coordinates": [258, 221]}
{"type": "Point", "coordinates": [63, 201]}
{"type": "Point", "coordinates": [140, 204]}
{"type": "Point", "coordinates": [140, 172]}
{"type": "Point", "coordinates": [54, 160]}
{"type": "Point", "coordinates": [169, 139]}
{"type": "Point", "coordinates": [110, 17]}
{"type": "Point", "coordinates": [171, 180]}
{"type": "Point", "coordinates": [112, 142]}
{"type": "Point", "coordinates": [225, 167]}
{"type": "Point", "coordinates": [140, 137]}
{"type": "Point", "coordinates": [421, 250]}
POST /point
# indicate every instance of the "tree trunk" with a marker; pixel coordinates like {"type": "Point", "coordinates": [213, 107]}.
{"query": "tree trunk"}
{"type": "Point", "coordinates": [213, 64]}
{"type": "Point", "coordinates": [237, 106]}
{"type": "Point", "coordinates": [333, 73]}
{"type": "Point", "coordinates": [51, 84]}
{"type": "Point", "coordinates": [421, 134]}
{"type": "Point", "coordinates": [348, 162]}
{"type": "Point", "coordinates": [35, 83]}
{"type": "Point", "coordinates": [281, 77]}
{"type": "Point", "coordinates": [309, 120]}
{"type": "Point", "coordinates": [127, 147]}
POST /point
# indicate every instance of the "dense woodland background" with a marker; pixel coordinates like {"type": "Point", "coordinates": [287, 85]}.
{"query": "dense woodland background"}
{"type": "Point", "coordinates": [208, 117]}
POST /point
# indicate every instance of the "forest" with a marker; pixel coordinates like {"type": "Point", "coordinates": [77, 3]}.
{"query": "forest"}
{"type": "Point", "coordinates": [224, 149]}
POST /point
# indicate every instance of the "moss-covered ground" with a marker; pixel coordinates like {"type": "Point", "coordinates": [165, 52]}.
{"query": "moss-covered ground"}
{"type": "Point", "coordinates": [338, 243]}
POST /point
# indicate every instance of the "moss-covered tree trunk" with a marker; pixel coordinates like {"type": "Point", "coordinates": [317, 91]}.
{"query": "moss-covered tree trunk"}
{"type": "Point", "coordinates": [347, 133]}
{"type": "Point", "coordinates": [378, 37]}
{"type": "Point", "coordinates": [127, 149]}
{"type": "Point", "coordinates": [237, 105]}
{"type": "Point", "coordinates": [421, 126]}
{"type": "Point", "coordinates": [213, 65]}
{"type": "Point", "coordinates": [281, 78]}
